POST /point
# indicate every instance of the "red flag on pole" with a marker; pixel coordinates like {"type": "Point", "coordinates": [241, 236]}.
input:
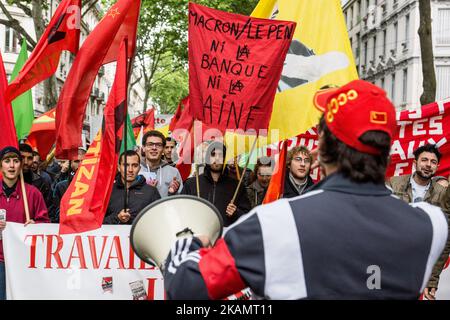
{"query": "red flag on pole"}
{"type": "Point", "coordinates": [84, 204]}
{"type": "Point", "coordinates": [42, 133]}
{"type": "Point", "coordinates": [276, 187]}
{"type": "Point", "coordinates": [184, 103]}
{"type": "Point", "coordinates": [235, 63]}
{"type": "Point", "coordinates": [62, 33]}
{"type": "Point", "coordinates": [8, 136]}
{"type": "Point", "coordinates": [146, 120]}
{"type": "Point", "coordinates": [99, 48]}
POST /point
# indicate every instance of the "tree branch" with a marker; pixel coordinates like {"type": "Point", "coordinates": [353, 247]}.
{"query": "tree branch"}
{"type": "Point", "coordinates": [24, 7]}
{"type": "Point", "coordinates": [14, 24]}
{"type": "Point", "coordinates": [90, 6]}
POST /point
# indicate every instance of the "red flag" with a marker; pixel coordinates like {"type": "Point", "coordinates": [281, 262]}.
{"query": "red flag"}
{"type": "Point", "coordinates": [146, 120]}
{"type": "Point", "coordinates": [42, 133]}
{"type": "Point", "coordinates": [276, 186]}
{"type": "Point", "coordinates": [185, 120]}
{"type": "Point", "coordinates": [99, 48]}
{"type": "Point", "coordinates": [84, 204]}
{"type": "Point", "coordinates": [181, 106]}
{"type": "Point", "coordinates": [8, 135]}
{"type": "Point", "coordinates": [62, 33]}
{"type": "Point", "coordinates": [235, 63]}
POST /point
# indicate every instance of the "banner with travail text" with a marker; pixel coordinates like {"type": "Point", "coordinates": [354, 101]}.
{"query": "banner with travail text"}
{"type": "Point", "coordinates": [96, 265]}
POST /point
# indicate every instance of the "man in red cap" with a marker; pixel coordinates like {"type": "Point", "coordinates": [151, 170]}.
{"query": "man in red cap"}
{"type": "Point", "coordinates": [348, 238]}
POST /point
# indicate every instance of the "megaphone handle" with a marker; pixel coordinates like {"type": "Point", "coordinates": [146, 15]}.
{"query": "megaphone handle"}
{"type": "Point", "coordinates": [184, 231]}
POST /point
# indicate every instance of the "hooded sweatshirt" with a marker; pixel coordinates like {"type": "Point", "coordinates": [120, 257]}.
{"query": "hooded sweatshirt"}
{"type": "Point", "coordinates": [164, 174]}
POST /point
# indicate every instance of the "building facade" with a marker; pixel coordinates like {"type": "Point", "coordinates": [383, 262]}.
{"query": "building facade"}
{"type": "Point", "coordinates": [386, 46]}
{"type": "Point", "coordinates": [10, 43]}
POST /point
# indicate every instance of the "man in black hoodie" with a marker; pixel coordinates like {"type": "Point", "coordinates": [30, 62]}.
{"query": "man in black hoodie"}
{"type": "Point", "coordinates": [298, 180]}
{"type": "Point", "coordinates": [217, 187]}
{"type": "Point", "coordinates": [139, 193]}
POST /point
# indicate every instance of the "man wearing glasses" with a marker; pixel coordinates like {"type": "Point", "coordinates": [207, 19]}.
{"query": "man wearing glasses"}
{"type": "Point", "coordinates": [297, 179]}
{"type": "Point", "coordinates": [157, 172]}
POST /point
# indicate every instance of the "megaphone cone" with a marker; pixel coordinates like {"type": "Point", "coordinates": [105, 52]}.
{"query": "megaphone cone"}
{"type": "Point", "coordinates": [161, 223]}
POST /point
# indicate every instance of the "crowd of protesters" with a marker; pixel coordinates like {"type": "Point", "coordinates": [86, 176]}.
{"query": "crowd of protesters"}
{"type": "Point", "coordinates": [150, 174]}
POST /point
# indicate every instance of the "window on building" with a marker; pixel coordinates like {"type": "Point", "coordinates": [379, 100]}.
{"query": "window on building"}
{"type": "Point", "coordinates": [384, 42]}
{"type": "Point", "coordinates": [395, 35]}
{"type": "Point", "coordinates": [358, 49]}
{"type": "Point", "coordinates": [393, 88]}
{"type": "Point", "coordinates": [11, 40]}
{"type": "Point", "coordinates": [443, 27]}
{"type": "Point", "coordinates": [357, 12]}
{"type": "Point", "coordinates": [405, 86]}
{"type": "Point", "coordinates": [7, 39]}
{"type": "Point", "coordinates": [365, 53]}
{"type": "Point", "coordinates": [443, 82]}
{"type": "Point", "coordinates": [382, 83]}
{"type": "Point", "coordinates": [406, 30]}
{"type": "Point", "coordinates": [374, 53]}
{"type": "Point", "coordinates": [350, 18]}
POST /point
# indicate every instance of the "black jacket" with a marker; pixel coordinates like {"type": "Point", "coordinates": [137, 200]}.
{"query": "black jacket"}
{"type": "Point", "coordinates": [37, 181]}
{"type": "Point", "coordinates": [139, 196]}
{"type": "Point", "coordinates": [219, 194]}
{"type": "Point", "coordinates": [291, 191]}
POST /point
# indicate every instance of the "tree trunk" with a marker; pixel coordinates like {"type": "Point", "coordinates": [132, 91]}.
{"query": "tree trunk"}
{"type": "Point", "coordinates": [50, 97]}
{"type": "Point", "coordinates": [426, 47]}
{"type": "Point", "coordinates": [146, 98]}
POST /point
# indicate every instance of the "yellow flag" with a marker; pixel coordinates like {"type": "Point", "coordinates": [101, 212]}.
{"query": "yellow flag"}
{"type": "Point", "coordinates": [320, 54]}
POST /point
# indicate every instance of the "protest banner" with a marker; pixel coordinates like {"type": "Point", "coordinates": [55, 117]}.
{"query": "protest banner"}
{"type": "Point", "coordinates": [96, 265]}
{"type": "Point", "coordinates": [235, 63]}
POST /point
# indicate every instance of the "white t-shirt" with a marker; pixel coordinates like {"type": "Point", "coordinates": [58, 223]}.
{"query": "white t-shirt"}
{"type": "Point", "coordinates": [418, 191]}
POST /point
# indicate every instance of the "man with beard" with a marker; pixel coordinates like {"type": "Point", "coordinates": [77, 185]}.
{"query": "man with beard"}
{"type": "Point", "coordinates": [169, 149]}
{"type": "Point", "coordinates": [33, 178]}
{"type": "Point", "coordinates": [38, 168]}
{"type": "Point", "coordinates": [297, 179]}
{"type": "Point", "coordinates": [61, 187]}
{"type": "Point", "coordinates": [217, 187]}
{"type": "Point", "coordinates": [420, 186]}
{"type": "Point", "coordinates": [139, 193]}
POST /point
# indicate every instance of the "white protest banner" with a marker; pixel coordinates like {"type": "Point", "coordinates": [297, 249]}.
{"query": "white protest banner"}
{"type": "Point", "coordinates": [96, 265]}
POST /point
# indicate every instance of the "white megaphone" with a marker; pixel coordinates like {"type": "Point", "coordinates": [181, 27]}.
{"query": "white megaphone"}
{"type": "Point", "coordinates": [161, 223]}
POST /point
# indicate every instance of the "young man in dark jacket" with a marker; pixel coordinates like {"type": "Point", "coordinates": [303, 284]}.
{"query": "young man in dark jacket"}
{"type": "Point", "coordinates": [217, 187]}
{"type": "Point", "coordinates": [139, 193]}
{"type": "Point", "coordinates": [33, 178]}
{"type": "Point", "coordinates": [298, 180]}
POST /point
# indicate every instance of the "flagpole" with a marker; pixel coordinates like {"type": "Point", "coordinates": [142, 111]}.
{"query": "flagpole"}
{"type": "Point", "coordinates": [197, 179]}
{"type": "Point", "coordinates": [243, 172]}
{"type": "Point", "coordinates": [25, 198]}
{"type": "Point", "coordinates": [125, 127]}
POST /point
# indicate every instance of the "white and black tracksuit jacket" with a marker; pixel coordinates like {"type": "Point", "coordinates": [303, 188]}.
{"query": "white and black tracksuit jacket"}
{"type": "Point", "coordinates": [322, 245]}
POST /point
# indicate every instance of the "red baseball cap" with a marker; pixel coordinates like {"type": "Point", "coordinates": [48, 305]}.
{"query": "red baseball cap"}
{"type": "Point", "coordinates": [353, 109]}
